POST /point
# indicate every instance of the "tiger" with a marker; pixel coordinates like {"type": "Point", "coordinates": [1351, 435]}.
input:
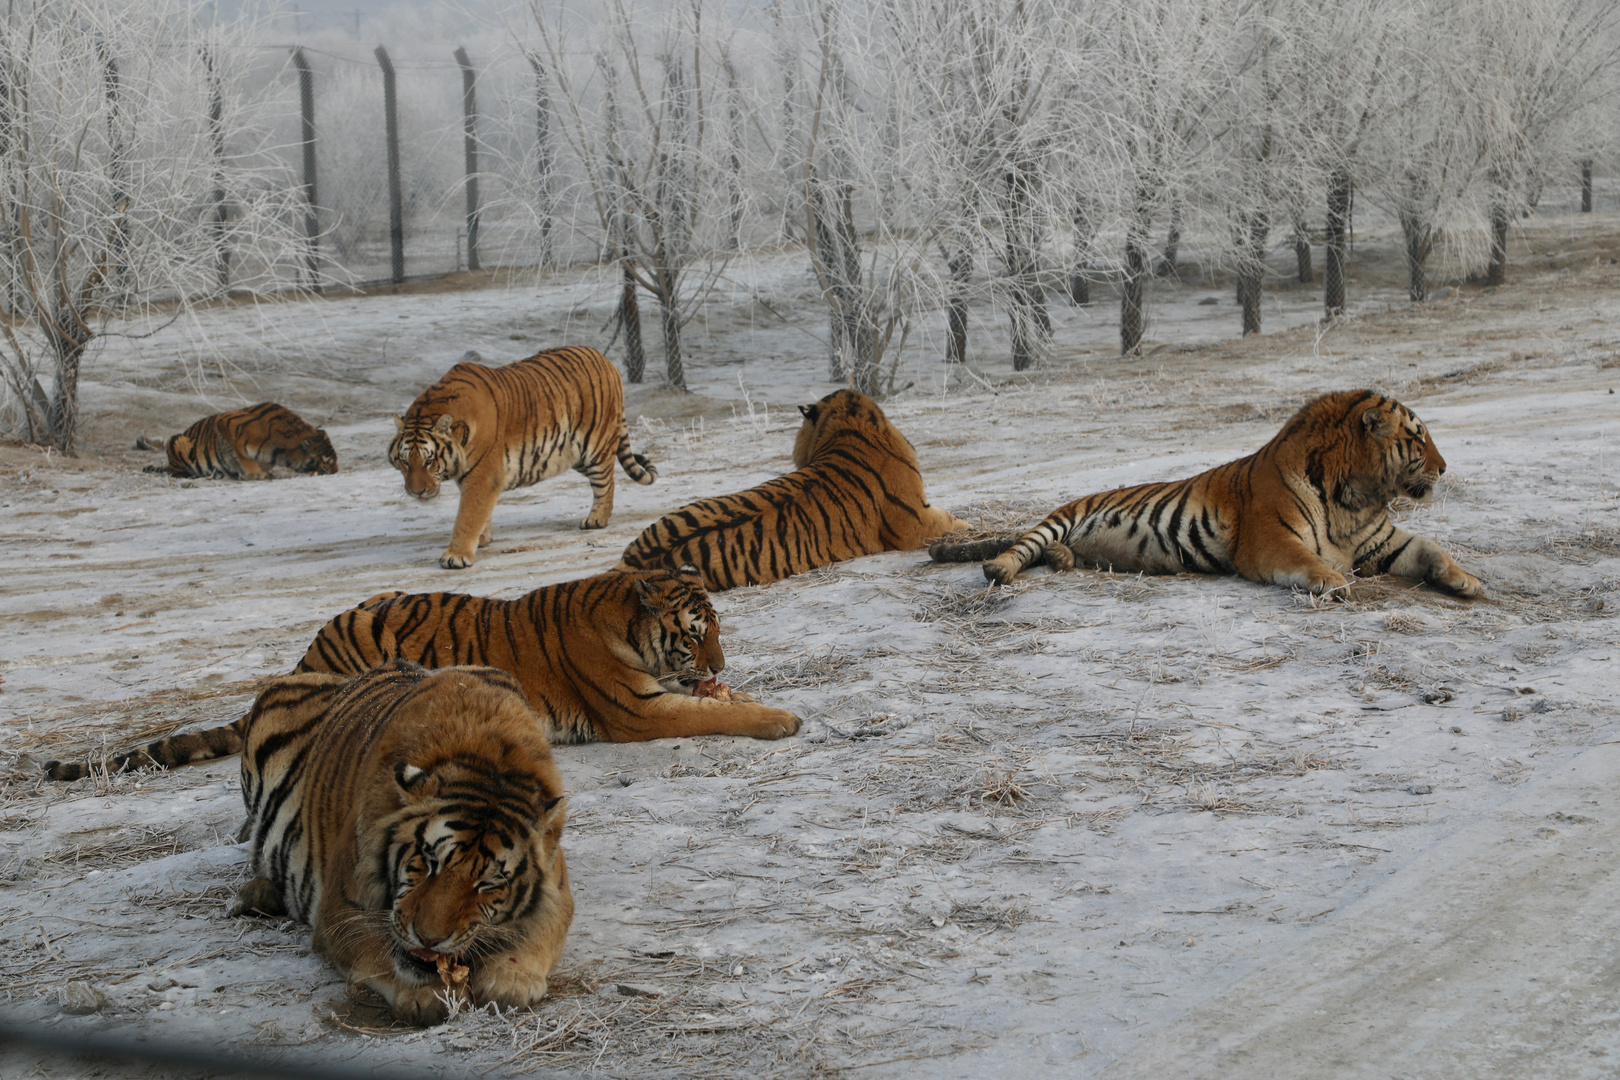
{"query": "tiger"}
{"type": "Point", "coordinates": [413, 819]}
{"type": "Point", "coordinates": [494, 429]}
{"type": "Point", "coordinates": [856, 489]}
{"type": "Point", "coordinates": [1303, 511]}
{"type": "Point", "coordinates": [244, 444]}
{"type": "Point", "coordinates": [617, 657]}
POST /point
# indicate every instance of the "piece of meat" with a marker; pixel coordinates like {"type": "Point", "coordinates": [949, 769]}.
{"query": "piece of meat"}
{"type": "Point", "coordinates": [713, 688]}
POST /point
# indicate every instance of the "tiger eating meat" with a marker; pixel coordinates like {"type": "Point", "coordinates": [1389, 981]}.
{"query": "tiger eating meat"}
{"type": "Point", "coordinates": [1303, 511]}
{"type": "Point", "coordinates": [618, 657]}
{"type": "Point", "coordinates": [856, 490]}
{"type": "Point", "coordinates": [413, 819]}
{"type": "Point", "coordinates": [245, 444]}
{"type": "Point", "coordinates": [494, 429]}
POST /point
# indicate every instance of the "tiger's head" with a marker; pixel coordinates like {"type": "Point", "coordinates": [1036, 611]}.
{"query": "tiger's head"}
{"type": "Point", "coordinates": [1390, 453]}
{"type": "Point", "coordinates": [473, 856]}
{"type": "Point", "coordinates": [428, 452]}
{"type": "Point", "coordinates": [314, 454]}
{"type": "Point", "coordinates": [678, 634]}
{"type": "Point", "coordinates": [846, 413]}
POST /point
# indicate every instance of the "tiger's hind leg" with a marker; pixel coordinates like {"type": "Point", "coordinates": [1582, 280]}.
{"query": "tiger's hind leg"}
{"type": "Point", "coordinates": [600, 473]}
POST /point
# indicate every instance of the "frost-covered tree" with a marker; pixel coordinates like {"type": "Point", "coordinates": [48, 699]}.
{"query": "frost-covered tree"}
{"type": "Point", "coordinates": [131, 166]}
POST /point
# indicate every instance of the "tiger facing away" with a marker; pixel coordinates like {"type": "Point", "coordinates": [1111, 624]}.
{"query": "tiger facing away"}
{"type": "Point", "coordinates": [245, 443]}
{"type": "Point", "coordinates": [616, 657]}
{"type": "Point", "coordinates": [1302, 511]}
{"type": "Point", "coordinates": [413, 819]}
{"type": "Point", "coordinates": [856, 490]}
{"type": "Point", "coordinates": [494, 429]}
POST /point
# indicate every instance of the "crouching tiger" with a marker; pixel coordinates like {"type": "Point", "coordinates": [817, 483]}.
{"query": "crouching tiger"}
{"type": "Point", "coordinates": [414, 821]}
{"type": "Point", "coordinates": [616, 657]}
{"type": "Point", "coordinates": [494, 429]}
{"type": "Point", "coordinates": [1304, 510]}
{"type": "Point", "coordinates": [245, 444]}
{"type": "Point", "coordinates": [856, 489]}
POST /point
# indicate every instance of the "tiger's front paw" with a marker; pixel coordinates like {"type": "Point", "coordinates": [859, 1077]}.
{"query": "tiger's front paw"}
{"type": "Point", "coordinates": [1454, 579]}
{"type": "Point", "coordinates": [778, 724]}
{"type": "Point", "coordinates": [259, 896]}
{"type": "Point", "coordinates": [1326, 581]}
{"type": "Point", "coordinates": [509, 983]}
{"type": "Point", "coordinates": [454, 560]}
{"type": "Point", "coordinates": [419, 1005]}
{"type": "Point", "coordinates": [594, 523]}
{"type": "Point", "coordinates": [1001, 570]}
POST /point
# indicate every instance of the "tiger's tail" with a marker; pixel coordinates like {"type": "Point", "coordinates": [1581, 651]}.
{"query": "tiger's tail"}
{"type": "Point", "coordinates": [176, 750]}
{"type": "Point", "coordinates": [969, 550]}
{"type": "Point", "coordinates": [636, 466]}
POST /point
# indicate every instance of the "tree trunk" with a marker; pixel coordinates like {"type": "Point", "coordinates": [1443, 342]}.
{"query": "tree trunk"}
{"type": "Point", "coordinates": [1084, 231]}
{"type": "Point", "coordinates": [1496, 271]}
{"type": "Point", "coordinates": [960, 265]}
{"type": "Point", "coordinates": [1417, 235]}
{"type": "Point", "coordinates": [1130, 290]}
{"type": "Point", "coordinates": [1586, 186]}
{"type": "Point", "coordinates": [669, 317]}
{"type": "Point", "coordinates": [1303, 270]}
{"type": "Point", "coordinates": [635, 360]}
{"type": "Point", "coordinates": [1253, 269]}
{"type": "Point", "coordinates": [1340, 194]}
{"type": "Point", "coordinates": [1031, 326]}
{"type": "Point", "coordinates": [68, 338]}
{"type": "Point", "coordinates": [1172, 244]}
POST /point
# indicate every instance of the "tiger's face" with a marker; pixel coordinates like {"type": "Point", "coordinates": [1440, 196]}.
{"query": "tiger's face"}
{"type": "Point", "coordinates": [464, 870]}
{"type": "Point", "coordinates": [1405, 453]}
{"type": "Point", "coordinates": [314, 454]}
{"type": "Point", "coordinates": [682, 634]}
{"type": "Point", "coordinates": [427, 456]}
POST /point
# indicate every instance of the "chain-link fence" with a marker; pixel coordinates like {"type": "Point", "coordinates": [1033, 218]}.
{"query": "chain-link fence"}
{"type": "Point", "coordinates": [417, 167]}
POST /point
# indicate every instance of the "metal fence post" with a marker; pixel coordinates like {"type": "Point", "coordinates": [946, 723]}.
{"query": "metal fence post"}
{"type": "Point", "coordinates": [396, 209]}
{"type": "Point", "coordinates": [306, 108]}
{"type": "Point", "coordinates": [469, 144]}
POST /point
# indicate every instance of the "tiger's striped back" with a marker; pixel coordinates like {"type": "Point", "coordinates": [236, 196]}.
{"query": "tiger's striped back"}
{"type": "Point", "coordinates": [244, 444]}
{"type": "Point", "coordinates": [494, 429]}
{"type": "Point", "coordinates": [857, 490]}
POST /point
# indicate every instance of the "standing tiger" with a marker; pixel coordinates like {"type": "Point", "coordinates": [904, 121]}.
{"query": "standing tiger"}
{"type": "Point", "coordinates": [618, 657]}
{"type": "Point", "coordinates": [856, 490]}
{"type": "Point", "coordinates": [245, 443]}
{"type": "Point", "coordinates": [413, 819]}
{"type": "Point", "coordinates": [1303, 511]}
{"type": "Point", "coordinates": [494, 429]}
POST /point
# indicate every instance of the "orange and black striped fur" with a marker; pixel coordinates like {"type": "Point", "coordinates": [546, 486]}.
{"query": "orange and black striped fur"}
{"type": "Point", "coordinates": [494, 429]}
{"type": "Point", "coordinates": [1305, 510]}
{"type": "Point", "coordinates": [612, 657]}
{"type": "Point", "coordinates": [856, 490]}
{"type": "Point", "coordinates": [245, 443]}
{"type": "Point", "coordinates": [410, 816]}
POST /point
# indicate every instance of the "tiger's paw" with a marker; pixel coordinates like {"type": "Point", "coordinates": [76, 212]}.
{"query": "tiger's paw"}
{"type": "Point", "coordinates": [594, 523]}
{"type": "Point", "coordinates": [452, 560]}
{"type": "Point", "coordinates": [1001, 570]}
{"type": "Point", "coordinates": [779, 724]}
{"type": "Point", "coordinates": [518, 988]}
{"type": "Point", "coordinates": [1059, 558]}
{"type": "Point", "coordinates": [1454, 579]}
{"type": "Point", "coordinates": [420, 1006]}
{"type": "Point", "coordinates": [259, 896]}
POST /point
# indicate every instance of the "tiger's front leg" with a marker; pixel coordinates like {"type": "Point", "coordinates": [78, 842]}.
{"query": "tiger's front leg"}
{"type": "Point", "coordinates": [364, 955]}
{"type": "Point", "coordinates": [479, 492]}
{"type": "Point", "coordinates": [517, 977]}
{"type": "Point", "coordinates": [1419, 557]}
{"type": "Point", "coordinates": [678, 716]}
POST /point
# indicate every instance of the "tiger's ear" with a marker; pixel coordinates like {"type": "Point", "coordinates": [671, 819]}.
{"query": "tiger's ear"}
{"type": "Point", "coordinates": [443, 424]}
{"type": "Point", "coordinates": [1375, 422]}
{"type": "Point", "coordinates": [548, 805]}
{"type": "Point", "coordinates": [409, 778]}
{"type": "Point", "coordinates": [399, 424]}
{"type": "Point", "coordinates": [649, 595]}
{"type": "Point", "coordinates": [810, 412]}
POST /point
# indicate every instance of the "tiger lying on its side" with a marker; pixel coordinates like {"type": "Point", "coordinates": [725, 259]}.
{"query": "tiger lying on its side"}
{"type": "Point", "coordinates": [1302, 511]}
{"type": "Point", "coordinates": [494, 429]}
{"type": "Point", "coordinates": [245, 443]}
{"type": "Point", "coordinates": [856, 490]}
{"type": "Point", "coordinates": [413, 819]}
{"type": "Point", "coordinates": [615, 657]}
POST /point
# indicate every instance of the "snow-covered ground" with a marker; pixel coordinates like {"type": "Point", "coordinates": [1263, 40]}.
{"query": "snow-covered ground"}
{"type": "Point", "coordinates": [1082, 826]}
